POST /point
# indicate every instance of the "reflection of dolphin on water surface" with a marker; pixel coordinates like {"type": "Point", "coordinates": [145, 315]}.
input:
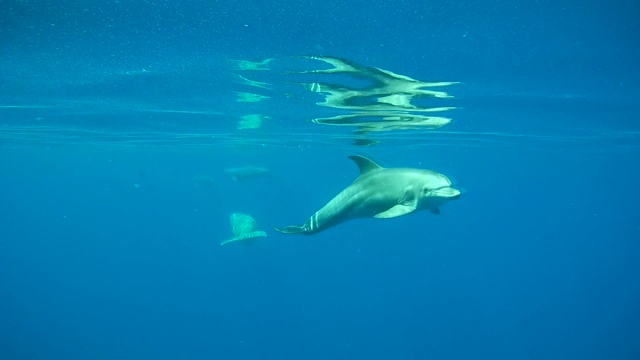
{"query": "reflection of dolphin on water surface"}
{"type": "Point", "coordinates": [375, 121]}
{"type": "Point", "coordinates": [381, 193]}
{"type": "Point", "coordinates": [388, 91]}
{"type": "Point", "coordinates": [247, 173]}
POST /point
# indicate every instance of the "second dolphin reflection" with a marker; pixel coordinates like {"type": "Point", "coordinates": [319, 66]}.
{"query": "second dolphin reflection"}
{"type": "Point", "coordinates": [381, 193]}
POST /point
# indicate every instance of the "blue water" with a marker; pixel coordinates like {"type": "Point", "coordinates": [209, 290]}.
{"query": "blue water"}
{"type": "Point", "coordinates": [118, 119]}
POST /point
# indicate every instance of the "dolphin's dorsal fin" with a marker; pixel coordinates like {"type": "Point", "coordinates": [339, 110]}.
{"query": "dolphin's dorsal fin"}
{"type": "Point", "coordinates": [366, 165]}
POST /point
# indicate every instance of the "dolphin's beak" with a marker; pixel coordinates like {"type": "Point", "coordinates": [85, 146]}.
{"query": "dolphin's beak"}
{"type": "Point", "coordinates": [448, 192]}
{"type": "Point", "coordinates": [457, 194]}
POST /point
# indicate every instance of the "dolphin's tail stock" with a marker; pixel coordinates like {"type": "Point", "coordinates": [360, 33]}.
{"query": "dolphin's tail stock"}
{"type": "Point", "coordinates": [291, 229]}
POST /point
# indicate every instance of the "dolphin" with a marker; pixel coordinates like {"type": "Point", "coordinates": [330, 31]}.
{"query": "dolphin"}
{"type": "Point", "coordinates": [247, 173]}
{"type": "Point", "coordinates": [382, 193]}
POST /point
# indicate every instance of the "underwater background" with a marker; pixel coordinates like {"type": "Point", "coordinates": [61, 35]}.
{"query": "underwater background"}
{"type": "Point", "coordinates": [122, 123]}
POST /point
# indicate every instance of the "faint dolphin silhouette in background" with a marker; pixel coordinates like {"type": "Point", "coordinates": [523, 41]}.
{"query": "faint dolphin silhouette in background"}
{"type": "Point", "coordinates": [247, 173]}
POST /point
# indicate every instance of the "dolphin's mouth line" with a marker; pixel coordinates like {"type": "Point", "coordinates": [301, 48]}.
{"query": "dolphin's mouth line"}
{"type": "Point", "coordinates": [455, 192]}
{"type": "Point", "coordinates": [444, 187]}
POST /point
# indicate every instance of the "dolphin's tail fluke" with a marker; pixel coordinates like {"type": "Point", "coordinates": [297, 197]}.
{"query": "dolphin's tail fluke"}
{"type": "Point", "coordinates": [291, 229]}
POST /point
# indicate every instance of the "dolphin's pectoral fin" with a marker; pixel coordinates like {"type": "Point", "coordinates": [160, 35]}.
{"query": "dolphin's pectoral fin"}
{"type": "Point", "coordinates": [435, 211]}
{"type": "Point", "coordinates": [396, 211]}
{"type": "Point", "coordinates": [291, 229]}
